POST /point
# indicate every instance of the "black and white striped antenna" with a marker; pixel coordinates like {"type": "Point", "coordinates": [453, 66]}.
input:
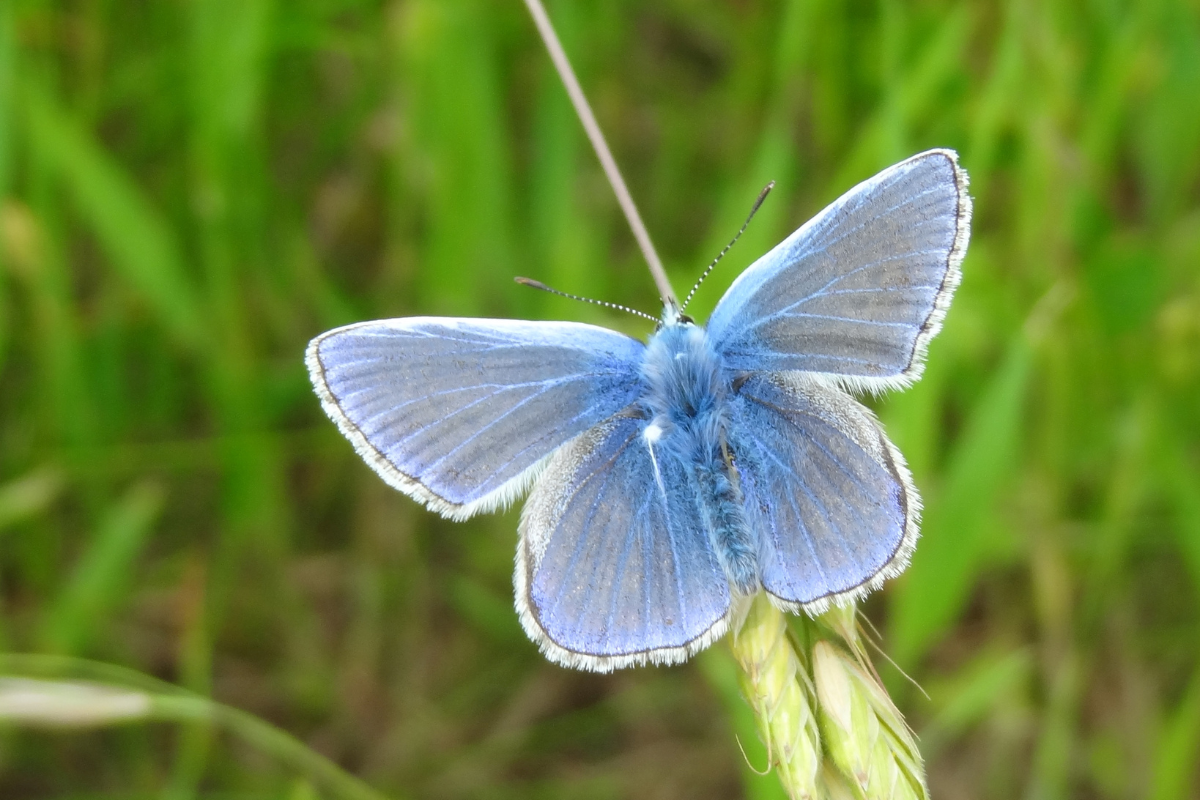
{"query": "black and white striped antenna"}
{"type": "Point", "coordinates": [761, 196]}
{"type": "Point", "coordinates": [539, 285]}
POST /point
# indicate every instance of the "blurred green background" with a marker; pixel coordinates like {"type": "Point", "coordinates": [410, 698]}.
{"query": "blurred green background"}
{"type": "Point", "coordinates": [189, 191]}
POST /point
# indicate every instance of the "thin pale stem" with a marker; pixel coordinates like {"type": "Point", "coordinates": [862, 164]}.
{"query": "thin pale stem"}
{"type": "Point", "coordinates": [74, 692]}
{"type": "Point", "coordinates": [596, 136]}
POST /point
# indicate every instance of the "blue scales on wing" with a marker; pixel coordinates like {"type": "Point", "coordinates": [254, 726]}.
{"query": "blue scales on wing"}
{"type": "Point", "coordinates": [459, 413]}
{"type": "Point", "coordinates": [827, 495]}
{"type": "Point", "coordinates": [860, 289]}
{"type": "Point", "coordinates": [615, 567]}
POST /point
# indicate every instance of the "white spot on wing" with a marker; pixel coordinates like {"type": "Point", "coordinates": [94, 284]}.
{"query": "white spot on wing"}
{"type": "Point", "coordinates": [652, 434]}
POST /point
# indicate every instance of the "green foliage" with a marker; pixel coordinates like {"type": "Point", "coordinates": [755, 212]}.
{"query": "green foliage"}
{"type": "Point", "coordinates": [190, 191]}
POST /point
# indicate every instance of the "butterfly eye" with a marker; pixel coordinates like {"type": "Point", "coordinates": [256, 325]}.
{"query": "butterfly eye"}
{"type": "Point", "coordinates": [684, 319]}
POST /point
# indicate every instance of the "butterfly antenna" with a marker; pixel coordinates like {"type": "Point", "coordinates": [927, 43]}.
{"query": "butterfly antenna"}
{"type": "Point", "coordinates": [757, 203]}
{"type": "Point", "coordinates": [539, 285]}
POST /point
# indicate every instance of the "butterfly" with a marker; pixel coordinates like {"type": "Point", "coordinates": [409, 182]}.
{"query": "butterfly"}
{"type": "Point", "coordinates": [670, 480]}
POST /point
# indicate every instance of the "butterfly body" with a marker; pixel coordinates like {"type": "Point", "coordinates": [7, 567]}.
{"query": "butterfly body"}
{"type": "Point", "coordinates": [668, 480]}
{"type": "Point", "coordinates": [687, 411]}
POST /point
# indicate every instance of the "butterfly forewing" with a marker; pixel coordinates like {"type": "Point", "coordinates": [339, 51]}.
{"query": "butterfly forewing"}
{"type": "Point", "coordinates": [825, 492]}
{"type": "Point", "coordinates": [457, 412]}
{"type": "Point", "coordinates": [860, 289]}
{"type": "Point", "coordinates": [615, 567]}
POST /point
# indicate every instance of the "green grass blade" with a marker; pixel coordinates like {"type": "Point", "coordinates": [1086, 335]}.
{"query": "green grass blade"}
{"type": "Point", "coordinates": [29, 496]}
{"type": "Point", "coordinates": [460, 142]}
{"type": "Point", "coordinates": [102, 577]}
{"type": "Point", "coordinates": [884, 139]}
{"type": "Point", "coordinates": [973, 696]}
{"type": "Point", "coordinates": [7, 90]}
{"type": "Point", "coordinates": [138, 240]}
{"type": "Point", "coordinates": [1179, 741]}
{"type": "Point", "coordinates": [1180, 478]}
{"type": "Point", "coordinates": [563, 238]}
{"type": "Point", "coordinates": [774, 158]}
{"type": "Point", "coordinates": [927, 601]}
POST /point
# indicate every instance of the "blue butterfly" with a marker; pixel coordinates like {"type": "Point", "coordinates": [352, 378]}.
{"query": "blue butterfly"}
{"type": "Point", "coordinates": [671, 480]}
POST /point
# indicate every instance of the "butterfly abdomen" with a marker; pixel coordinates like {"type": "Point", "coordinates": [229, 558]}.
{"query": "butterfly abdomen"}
{"type": "Point", "coordinates": [721, 504]}
{"type": "Point", "coordinates": [687, 413]}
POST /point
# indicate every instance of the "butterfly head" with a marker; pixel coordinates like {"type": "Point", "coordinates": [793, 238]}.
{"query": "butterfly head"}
{"type": "Point", "coordinates": [673, 315]}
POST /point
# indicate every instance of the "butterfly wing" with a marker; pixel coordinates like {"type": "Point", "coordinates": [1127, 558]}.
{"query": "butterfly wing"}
{"type": "Point", "coordinates": [860, 289]}
{"type": "Point", "coordinates": [827, 494]}
{"type": "Point", "coordinates": [614, 567]}
{"type": "Point", "coordinates": [459, 413]}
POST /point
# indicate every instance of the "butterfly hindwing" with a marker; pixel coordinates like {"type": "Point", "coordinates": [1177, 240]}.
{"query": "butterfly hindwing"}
{"type": "Point", "coordinates": [860, 289]}
{"type": "Point", "coordinates": [827, 495]}
{"type": "Point", "coordinates": [614, 567]}
{"type": "Point", "coordinates": [458, 413]}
